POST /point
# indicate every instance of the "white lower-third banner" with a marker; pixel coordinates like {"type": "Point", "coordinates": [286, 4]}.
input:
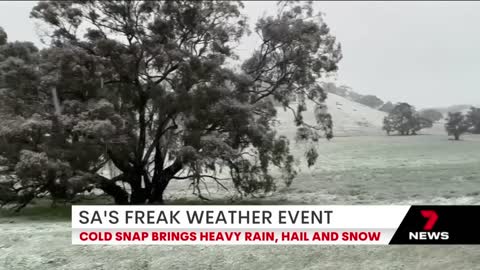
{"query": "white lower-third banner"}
{"type": "Point", "coordinates": [273, 225]}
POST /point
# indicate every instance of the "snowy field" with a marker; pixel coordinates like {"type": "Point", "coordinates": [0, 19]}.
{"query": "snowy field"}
{"type": "Point", "coordinates": [426, 169]}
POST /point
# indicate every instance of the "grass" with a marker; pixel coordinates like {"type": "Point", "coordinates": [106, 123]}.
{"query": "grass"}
{"type": "Point", "coordinates": [379, 170]}
{"type": "Point", "coordinates": [42, 210]}
{"type": "Point", "coordinates": [351, 170]}
{"type": "Point", "coordinates": [36, 213]}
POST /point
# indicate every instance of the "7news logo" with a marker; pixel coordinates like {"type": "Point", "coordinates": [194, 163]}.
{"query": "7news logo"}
{"type": "Point", "coordinates": [427, 233]}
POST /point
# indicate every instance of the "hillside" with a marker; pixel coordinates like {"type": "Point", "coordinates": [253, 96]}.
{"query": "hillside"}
{"type": "Point", "coordinates": [464, 108]}
{"type": "Point", "coordinates": [349, 118]}
{"type": "Point", "coordinates": [348, 93]}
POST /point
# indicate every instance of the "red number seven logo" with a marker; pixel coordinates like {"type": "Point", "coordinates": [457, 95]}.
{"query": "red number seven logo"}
{"type": "Point", "coordinates": [431, 217]}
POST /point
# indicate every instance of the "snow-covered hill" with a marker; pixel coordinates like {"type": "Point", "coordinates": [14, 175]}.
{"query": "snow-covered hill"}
{"type": "Point", "coordinates": [349, 118]}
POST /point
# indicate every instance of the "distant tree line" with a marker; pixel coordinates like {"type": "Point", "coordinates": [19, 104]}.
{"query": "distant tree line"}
{"type": "Point", "coordinates": [387, 107]}
{"type": "Point", "coordinates": [405, 120]}
{"type": "Point", "coordinates": [431, 114]}
{"type": "Point", "coordinates": [367, 100]}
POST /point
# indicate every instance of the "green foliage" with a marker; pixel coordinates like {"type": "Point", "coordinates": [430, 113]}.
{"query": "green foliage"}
{"type": "Point", "coordinates": [3, 36]}
{"type": "Point", "coordinates": [387, 107]}
{"type": "Point", "coordinates": [41, 154]}
{"type": "Point", "coordinates": [388, 125]}
{"type": "Point", "coordinates": [422, 123]}
{"type": "Point", "coordinates": [371, 101]}
{"type": "Point", "coordinates": [431, 114]}
{"type": "Point", "coordinates": [473, 118]}
{"type": "Point", "coordinates": [405, 120]}
{"type": "Point", "coordinates": [457, 124]}
{"type": "Point", "coordinates": [346, 92]}
{"type": "Point", "coordinates": [145, 85]}
{"type": "Point", "coordinates": [311, 156]}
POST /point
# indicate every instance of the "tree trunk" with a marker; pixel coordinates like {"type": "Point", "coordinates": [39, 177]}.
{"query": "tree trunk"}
{"type": "Point", "coordinates": [120, 196]}
{"type": "Point", "coordinates": [159, 187]}
{"type": "Point", "coordinates": [138, 193]}
{"type": "Point", "coordinates": [457, 136]}
{"type": "Point", "coordinates": [160, 182]}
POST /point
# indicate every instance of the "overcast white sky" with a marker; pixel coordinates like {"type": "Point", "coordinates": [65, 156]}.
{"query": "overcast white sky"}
{"type": "Point", "coordinates": [424, 53]}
